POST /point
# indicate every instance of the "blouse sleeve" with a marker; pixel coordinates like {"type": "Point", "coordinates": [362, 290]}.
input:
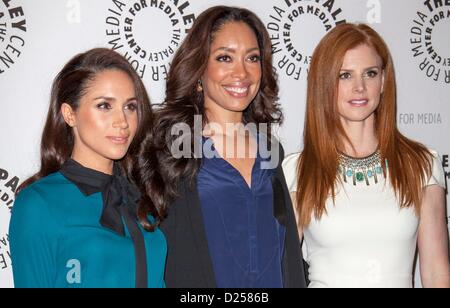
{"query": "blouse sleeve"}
{"type": "Point", "coordinates": [290, 171]}
{"type": "Point", "coordinates": [437, 176]}
{"type": "Point", "coordinates": [32, 241]}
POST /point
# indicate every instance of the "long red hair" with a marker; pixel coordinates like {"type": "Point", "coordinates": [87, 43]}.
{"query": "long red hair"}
{"type": "Point", "coordinates": [409, 162]}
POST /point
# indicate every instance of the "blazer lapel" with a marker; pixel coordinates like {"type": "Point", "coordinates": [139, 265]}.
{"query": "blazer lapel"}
{"type": "Point", "coordinates": [294, 275]}
{"type": "Point", "coordinates": [201, 242]}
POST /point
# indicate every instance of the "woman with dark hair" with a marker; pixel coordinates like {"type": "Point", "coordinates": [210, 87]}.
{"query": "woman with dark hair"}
{"type": "Point", "coordinates": [364, 193]}
{"type": "Point", "coordinates": [75, 222]}
{"type": "Point", "coordinates": [230, 222]}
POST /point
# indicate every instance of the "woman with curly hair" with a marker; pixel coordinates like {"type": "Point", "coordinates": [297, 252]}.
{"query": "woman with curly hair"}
{"type": "Point", "coordinates": [230, 222]}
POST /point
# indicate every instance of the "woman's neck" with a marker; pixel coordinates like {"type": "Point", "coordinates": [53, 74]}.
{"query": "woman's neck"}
{"type": "Point", "coordinates": [362, 136]}
{"type": "Point", "coordinates": [225, 123]}
{"type": "Point", "coordinates": [232, 139]}
{"type": "Point", "coordinates": [101, 165]}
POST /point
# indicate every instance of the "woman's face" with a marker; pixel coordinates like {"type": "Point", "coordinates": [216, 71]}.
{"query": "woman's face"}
{"type": "Point", "coordinates": [360, 84]}
{"type": "Point", "coordinates": [233, 74]}
{"type": "Point", "coordinates": [106, 120]}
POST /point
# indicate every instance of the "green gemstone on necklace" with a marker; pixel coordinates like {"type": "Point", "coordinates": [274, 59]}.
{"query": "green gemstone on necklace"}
{"type": "Point", "coordinates": [360, 169]}
{"type": "Point", "coordinates": [359, 176]}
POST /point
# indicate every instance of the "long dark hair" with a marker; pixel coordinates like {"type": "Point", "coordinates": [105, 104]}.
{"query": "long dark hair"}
{"type": "Point", "coordinates": [69, 86]}
{"type": "Point", "coordinates": [183, 101]}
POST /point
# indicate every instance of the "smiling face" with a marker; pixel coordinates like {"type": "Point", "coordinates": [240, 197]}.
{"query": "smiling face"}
{"type": "Point", "coordinates": [360, 84]}
{"type": "Point", "coordinates": [106, 120]}
{"type": "Point", "coordinates": [233, 74]}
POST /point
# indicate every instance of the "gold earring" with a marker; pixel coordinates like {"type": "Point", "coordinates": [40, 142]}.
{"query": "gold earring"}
{"type": "Point", "coordinates": [199, 86]}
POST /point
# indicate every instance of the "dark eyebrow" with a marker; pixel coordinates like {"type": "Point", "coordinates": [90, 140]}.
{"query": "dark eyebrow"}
{"type": "Point", "coordinates": [109, 99]}
{"type": "Point", "coordinates": [253, 49]}
{"type": "Point", "coordinates": [106, 98]}
{"type": "Point", "coordinates": [232, 50]}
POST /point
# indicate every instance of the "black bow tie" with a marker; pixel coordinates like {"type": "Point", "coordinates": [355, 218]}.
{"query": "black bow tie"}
{"type": "Point", "coordinates": [120, 199]}
{"type": "Point", "coordinates": [118, 193]}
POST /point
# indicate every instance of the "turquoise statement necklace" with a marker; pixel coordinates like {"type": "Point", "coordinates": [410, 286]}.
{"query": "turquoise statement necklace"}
{"type": "Point", "coordinates": [360, 170]}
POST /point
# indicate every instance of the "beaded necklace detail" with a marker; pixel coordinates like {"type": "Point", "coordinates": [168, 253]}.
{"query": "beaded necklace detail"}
{"type": "Point", "coordinates": [360, 169]}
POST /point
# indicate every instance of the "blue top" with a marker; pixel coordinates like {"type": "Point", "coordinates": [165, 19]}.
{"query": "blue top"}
{"type": "Point", "coordinates": [245, 240]}
{"type": "Point", "coordinates": [56, 240]}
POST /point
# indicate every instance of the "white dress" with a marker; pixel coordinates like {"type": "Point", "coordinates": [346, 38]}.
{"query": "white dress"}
{"type": "Point", "coordinates": [365, 239]}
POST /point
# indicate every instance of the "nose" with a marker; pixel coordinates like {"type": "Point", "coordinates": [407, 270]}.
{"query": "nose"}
{"type": "Point", "coordinates": [240, 70]}
{"type": "Point", "coordinates": [359, 85]}
{"type": "Point", "coordinates": [120, 119]}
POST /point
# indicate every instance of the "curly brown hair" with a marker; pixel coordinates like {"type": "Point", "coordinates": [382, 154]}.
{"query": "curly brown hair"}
{"type": "Point", "coordinates": [158, 169]}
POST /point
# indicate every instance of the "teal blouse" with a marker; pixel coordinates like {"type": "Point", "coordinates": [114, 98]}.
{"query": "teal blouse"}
{"type": "Point", "coordinates": [56, 240]}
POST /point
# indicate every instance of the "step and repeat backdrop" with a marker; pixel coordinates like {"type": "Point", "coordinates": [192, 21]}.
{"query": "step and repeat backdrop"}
{"type": "Point", "coordinates": [37, 37]}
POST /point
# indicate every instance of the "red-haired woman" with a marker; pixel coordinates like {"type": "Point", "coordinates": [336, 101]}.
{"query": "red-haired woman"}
{"type": "Point", "coordinates": [365, 194]}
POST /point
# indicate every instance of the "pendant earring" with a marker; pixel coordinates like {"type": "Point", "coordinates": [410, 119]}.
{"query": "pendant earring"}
{"type": "Point", "coordinates": [199, 86]}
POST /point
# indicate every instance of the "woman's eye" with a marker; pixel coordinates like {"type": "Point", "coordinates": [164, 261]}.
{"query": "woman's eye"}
{"type": "Point", "coordinates": [223, 58]}
{"type": "Point", "coordinates": [255, 58]}
{"type": "Point", "coordinates": [372, 74]}
{"type": "Point", "coordinates": [344, 75]}
{"type": "Point", "coordinates": [131, 107]}
{"type": "Point", "coordinates": [104, 106]}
